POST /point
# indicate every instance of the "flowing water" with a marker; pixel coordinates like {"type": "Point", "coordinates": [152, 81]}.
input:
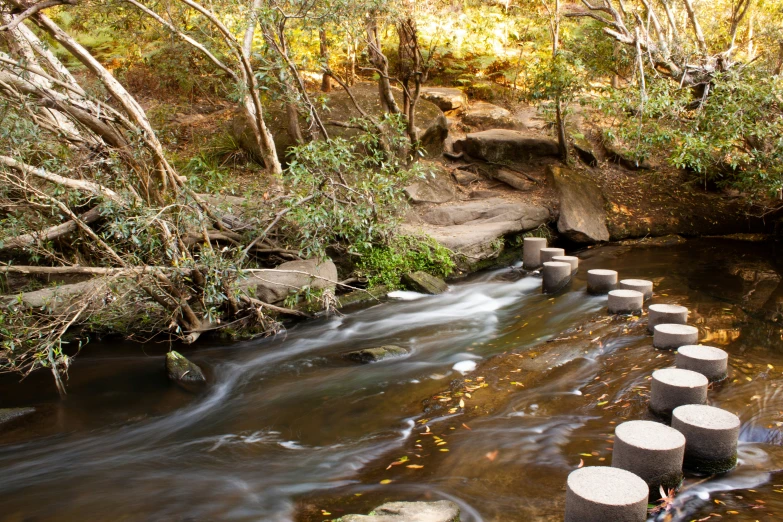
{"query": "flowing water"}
{"type": "Point", "coordinates": [289, 430]}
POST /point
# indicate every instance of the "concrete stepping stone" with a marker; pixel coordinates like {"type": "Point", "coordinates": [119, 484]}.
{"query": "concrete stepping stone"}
{"type": "Point", "coordinates": [601, 281]}
{"type": "Point", "coordinates": [548, 253]}
{"type": "Point", "coordinates": [709, 361]}
{"type": "Point", "coordinates": [651, 450]}
{"type": "Point", "coordinates": [670, 336]}
{"type": "Point", "coordinates": [531, 252]}
{"type": "Point", "coordinates": [673, 387]}
{"type": "Point", "coordinates": [572, 260]}
{"type": "Point", "coordinates": [666, 314]}
{"type": "Point", "coordinates": [711, 436]}
{"type": "Point", "coordinates": [640, 285]}
{"type": "Point", "coordinates": [603, 494]}
{"type": "Point", "coordinates": [555, 275]}
{"type": "Point", "coordinates": [625, 301]}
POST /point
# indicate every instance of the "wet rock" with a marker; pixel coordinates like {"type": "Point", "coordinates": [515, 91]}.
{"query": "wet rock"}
{"type": "Point", "coordinates": [183, 372]}
{"type": "Point", "coordinates": [621, 156]}
{"type": "Point", "coordinates": [435, 188]}
{"type": "Point", "coordinates": [439, 511]}
{"type": "Point", "coordinates": [582, 214]}
{"type": "Point", "coordinates": [425, 283]}
{"type": "Point", "coordinates": [370, 355]}
{"type": "Point", "coordinates": [759, 284]}
{"type": "Point", "coordinates": [272, 286]}
{"type": "Point", "coordinates": [514, 180]}
{"type": "Point", "coordinates": [661, 241]}
{"type": "Point", "coordinates": [446, 98]}
{"type": "Point", "coordinates": [11, 414]}
{"type": "Point", "coordinates": [483, 115]}
{"type": "Point", "coordinates": [432, 124]}
{"type": "Point", "coordinates": [500, 146]}
{"type": "Point", "coordinates": [361, 296]}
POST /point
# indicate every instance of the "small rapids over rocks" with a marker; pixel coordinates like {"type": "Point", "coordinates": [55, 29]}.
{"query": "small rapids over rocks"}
{"type": "Point", "coordinates": [503, 392]}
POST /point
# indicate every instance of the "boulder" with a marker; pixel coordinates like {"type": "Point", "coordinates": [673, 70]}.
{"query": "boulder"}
{"type": "Point", "coordinates": [438, 511]}
{"type": "Point", "coordinates": [183, 372]}
{"type": "Point", "coordinates": [582, 213]}
{"type": "Point", "coordinates": [473, 228]}
{"type": "Point", "coordinates": [436, 187]}
{"type": "Point", "coordinates": [584, 149]}
{"type": "Point", "coordinates": [501, 146]}
{"type": "Point", "coordinates": [425, 283]}
{"type": "Point", "coordinates": [430, 121]}
{"type": "Point", "coordinates": [10, 414]}
{"type": "Point", "coordinates": [371, 355]}
{"type": "Point", "coordinates": [274, 285]}
{"type": "Point", "coordinates": [514, 180]}
{"type": "Point", "coordinates": [446, 98]}
{"type": "Point", "coordinates": [465, 177]}
{"type": "Point", "coordinates": [529, 118]}
{"type": "Point", "coordinates": [483, 115]}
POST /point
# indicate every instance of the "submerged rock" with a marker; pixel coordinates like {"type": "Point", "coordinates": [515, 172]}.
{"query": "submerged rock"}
{"type": "Point", "coordinates": [501, 146]}
{"type": "Point", "coordinates": [425, 283]}
{"type": "Point", "coordinates": [438, 511]}
{"type": "Point", "coordinates": [380, 353]}
{"type": "Point", "coordinates": [182, 371]}
{"type": "Point", "coordinates": [9, 414]}
{"type": "Point", "coordinates": [582, 214]}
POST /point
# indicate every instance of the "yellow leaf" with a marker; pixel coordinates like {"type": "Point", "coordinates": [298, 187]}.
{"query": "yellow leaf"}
{"type": "Point", "coordinates": [415, 466]}
{"type": "Point", "coordinates": [386, 481]}
{"type": "Point", "coordinates": [462, 404]}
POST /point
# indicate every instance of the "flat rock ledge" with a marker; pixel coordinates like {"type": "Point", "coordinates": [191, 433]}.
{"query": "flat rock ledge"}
{"type": "Point", "coordinates": [10, 414]}
{"type": "Point", "coordinates": [380, 353]}
{"type": "Point", "coordinates": [439, 511]}
{"type": "Point", "coordinates": [503, 146]}
{"type": "Point", "coordinates": [472, 228]}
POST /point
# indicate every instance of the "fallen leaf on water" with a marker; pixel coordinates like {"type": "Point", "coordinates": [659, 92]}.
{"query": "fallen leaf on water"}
{"type": "Point", "coordinates": [462, 404]}
{"type": "Point", "coordinates": [386, 481]}
{"type": "Point", "coordinates": [466, 426]}
{"type": "Point", "coordinates": [415, 466]}
{"type": "Point", "coordinates": [492, 455]}
{"type": "Point", "coordinates": [581, 463]}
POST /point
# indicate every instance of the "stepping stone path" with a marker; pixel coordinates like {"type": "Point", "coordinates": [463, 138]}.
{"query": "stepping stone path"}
{"type": "Point", "coordinates": [650, 455]}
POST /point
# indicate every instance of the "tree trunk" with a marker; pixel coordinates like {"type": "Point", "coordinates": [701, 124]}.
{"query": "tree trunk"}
{"type": "Point", "coordinates": [562, 140]}
{"type": "Point", "coordinates": [696, 26]}
{"type": "Point", "coordinates": [381, 65]}
{"type": "Point", "coordinates": [326, 82]}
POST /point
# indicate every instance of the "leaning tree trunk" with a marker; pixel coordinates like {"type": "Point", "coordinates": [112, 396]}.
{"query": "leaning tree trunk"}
{"type": "Point", "coordinates": [326, 81]}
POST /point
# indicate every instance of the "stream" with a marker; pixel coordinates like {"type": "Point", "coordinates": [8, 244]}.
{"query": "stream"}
{"type": "Point", "coordinates": [290, 430]}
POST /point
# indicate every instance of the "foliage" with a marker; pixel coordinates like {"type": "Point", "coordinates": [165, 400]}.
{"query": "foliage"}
{"type": "Point", "coordinates": [345, 194]}
{"type": "Point", "coordinates": [403, 254]}
{"type": "Point", "coordinates": [731, 136]}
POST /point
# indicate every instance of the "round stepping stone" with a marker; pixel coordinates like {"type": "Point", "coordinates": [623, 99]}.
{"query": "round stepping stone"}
{"type": "Point", "coordinates": [625, 301]}
{"type": "Point", "coordinates": [710, 437]}
{"type": "Point", "coordinates": [572, 260]}
{"type": "Point", "coordinates": [666, 314]}
{"type": "Point", "coordinates": [556, 276]}
{"type": "Point", "coordinates": [709, 361]}
{"type": "Point", "coordinates": [601, 281]}
{"type": "Point", "coordinates": [601, 494]}
{"type": "Point", "coordinates": [531, 252]}
{"type": "Point", "coordinates": [651, 450]}
{"type": "Point", "coordinates": [640, 285]}
{"type": "Point", "coordinates": [673, 387]}
{"type": "Point", "coordinates": [548, 253]}
{"type": "Point", "coordinates": [671, 336]}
